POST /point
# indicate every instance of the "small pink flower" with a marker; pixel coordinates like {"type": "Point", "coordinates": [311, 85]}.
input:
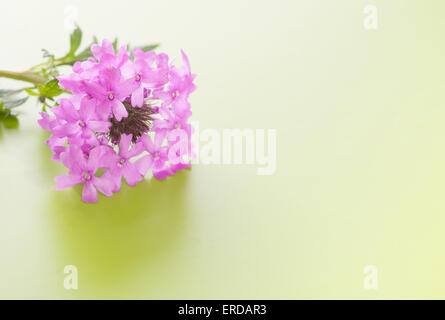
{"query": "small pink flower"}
{"type": "Point", "coordinates": [171, 121]}
{"type": "Point", "coordinates": [79, 124]}
{"type": "Point", "coordinates": [82, 170]}
{"type": "Point", "coordinates": [110, 91]}
{"type": "Point", "coordinates": [120, 165]}
{"type": "Point", "coordinates": [157, 153]}
{"type": "Point", "coordinates": [180, 86]}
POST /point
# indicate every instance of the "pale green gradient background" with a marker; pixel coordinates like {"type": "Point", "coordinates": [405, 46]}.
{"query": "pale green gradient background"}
{"type": "Point", "coordinates": [360, 158]}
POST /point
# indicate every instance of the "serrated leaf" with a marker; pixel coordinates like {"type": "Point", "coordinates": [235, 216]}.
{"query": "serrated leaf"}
{"type": "Point", "coordinates": [75, 40]}
{"type": "Point", "coordinates": [50, 89]}
{"type": "Point", "coordinates": [83, 55]}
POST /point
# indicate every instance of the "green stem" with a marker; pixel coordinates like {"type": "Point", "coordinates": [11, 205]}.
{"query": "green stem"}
{"type": "Point", "coordinates": [56, 63]}
{"type": "Point", "coordinates": [23, 76]}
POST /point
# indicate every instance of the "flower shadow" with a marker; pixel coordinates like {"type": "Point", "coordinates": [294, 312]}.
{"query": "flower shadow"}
{"type": "Point", "coordinates": [114, 240]}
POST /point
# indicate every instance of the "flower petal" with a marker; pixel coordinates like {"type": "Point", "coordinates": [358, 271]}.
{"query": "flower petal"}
{"type": "Point", "coordinates": [87, 108]}
{"type": "Point", "coordinates": [131, 174]}
{"type": "Point", "coordinates": [143, 164]}
{"type": "Point", "coordinates": [124, 144]}
{"type": "Point", "coordinates": [161, 174]}
{"type": "Point", "coordinates": [99, 126]}
{"type": "Point", "coordinates": [89, 193]}
{"type": "Point", "coordinates": [148, 143]}
{"type": "Point", "coordinates": [66, 181]}
{"type": "Point", "coordinates": [104, 185]}
{"type": "Point", "coordinates": [119, 110]}
{"type": "Point", "coordinates": [159, 138]}
{"type": "Point", "coordinates": [137, 97]}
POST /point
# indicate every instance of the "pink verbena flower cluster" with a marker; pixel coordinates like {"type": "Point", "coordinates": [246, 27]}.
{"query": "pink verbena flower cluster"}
{"type": "Point", "coordinates": [127, 115]}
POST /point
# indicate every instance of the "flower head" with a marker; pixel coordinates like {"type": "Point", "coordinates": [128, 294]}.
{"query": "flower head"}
{"type": "Point", "coordinates": [119, 119]}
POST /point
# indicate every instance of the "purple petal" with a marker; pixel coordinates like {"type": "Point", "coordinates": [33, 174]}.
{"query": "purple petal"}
{"type": "Point", "coordinates": [104, 185]}
{"type": "Point", "coordinates": [66, 181]}
{"type": "Point", "coordinates": [45, 121]}
{"type": "Point", "coordinates": [119, 110]}
{"type": "Point", "coordinates": [124, 88]}
{"type": "Point", "coordinates": [99, 126]}
{"type": "Point", "coordinates": [143, 164]}
{"type": "Point", "coordinates": [68, 111]}
{"type": "Point", "coordinates": [159, 138]}
{"type": "Point", "coordinates": [131, 174]}
{"type": "Point", "coordinates": [74, 159]}
{"type": "Point", "coordinates": [136, 150]}
{"type": "Point", "coordinates": [87, 108]}
{"type": "Point", "coordinates": [148, 144]}
{"type": "Point", "coordinates": [89, 193]}
{"type": "Point", "coordinates": [95, 90]}
{"type": "Point", "coordinates": [99, 51]}
{"type": "Point", "coordinates": [180, 166]}
{"type": "Point", "coordinates": [186, 62]}
{"type": "Point", "coordinates": [97, 154]}
{"type": "Point", "coordinates": [104, 109]}
{"type": "Point", "coordinates": [161, 174]}
{"type": "Point", "coordinates": [66, 130]}
{"type": "Point", "coordinates": [124, 145]}
{"type": "Point", "coordinates": [137, 97]}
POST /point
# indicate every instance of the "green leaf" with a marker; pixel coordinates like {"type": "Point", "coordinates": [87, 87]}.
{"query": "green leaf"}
{"type": "Point", "coordinates": [82, 56]}
{"type": "Point", "coordinates": [149, 47]}
{"type": "Point", "coordinates": [85, 54]}
{"type": "Point", "coordinates": [31, 93]}
{"type": "Point", "coordinates": [4, 113]}
{"type": "Point", "coordinates": [50, 89]}
{"type": "Point", "coordinates": [47, 54]}
{"type": "Point", "coordinates": [115, 44]}
{"type": "Point", "coordinates": [9, 104]}
{"type": "Point", "coordinates": [75, 40]}
{"type": "Point", "coordinates": [10, 122]}
{"type": "Point", "coordinates": [8, 92]}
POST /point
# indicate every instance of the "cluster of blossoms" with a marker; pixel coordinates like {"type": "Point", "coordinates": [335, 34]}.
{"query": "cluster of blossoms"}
{"type": "Point", "coordinates": [127, 114]}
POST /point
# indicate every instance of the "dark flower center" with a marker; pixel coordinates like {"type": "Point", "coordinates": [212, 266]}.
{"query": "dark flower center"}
{"type": "Point", "coordinates": [138, 122]}
{"type": "Point", "coordinates": [110, 96]}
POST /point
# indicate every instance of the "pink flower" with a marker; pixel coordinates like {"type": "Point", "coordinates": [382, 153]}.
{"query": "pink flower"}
{"type": "Point", "coordinates": [105, 54]}
{"type": "Point", "coordinates": [120, 166]}
{"type": "Point", "coordinates": [180, 86]}
{"type": "Point", "coordinates": [171, 121]}
{"type": "Point", "coordinates": [79, 124]}
{"type": "Point", "coordinates": [82, 170]}
{"type": "Point", "coordinates": [110, 91]}
{"type": "Point", "coordinates": [157, 153]}
{"type": "Point", "coordinates": [148, 71]}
